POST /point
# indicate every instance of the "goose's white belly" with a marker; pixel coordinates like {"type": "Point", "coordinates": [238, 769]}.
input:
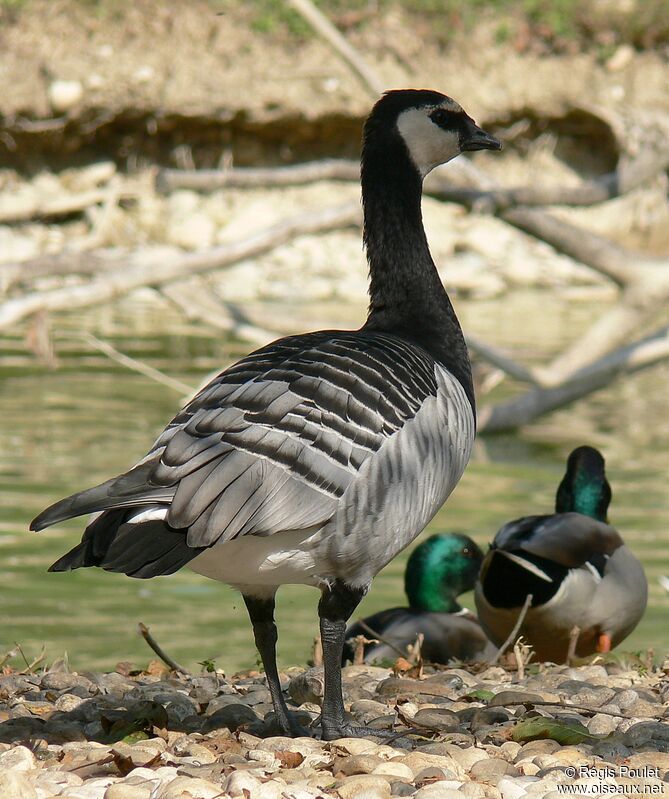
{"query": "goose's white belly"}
{"type": "Point", "coordinates": [396, 493]}
{"type": "Point", "coordinates": [295, 557]}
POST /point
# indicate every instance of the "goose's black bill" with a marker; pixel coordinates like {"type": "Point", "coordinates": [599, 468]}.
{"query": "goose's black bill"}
{"type": "Point", "coordinates": [478, 139]}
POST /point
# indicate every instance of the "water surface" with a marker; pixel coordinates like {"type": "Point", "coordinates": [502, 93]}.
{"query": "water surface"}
{"type": "Point", "coordinates": [67, 428]}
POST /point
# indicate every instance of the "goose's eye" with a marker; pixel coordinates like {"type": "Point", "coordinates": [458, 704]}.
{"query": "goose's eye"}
{"type": "Point", "coordinates": [443, 118]}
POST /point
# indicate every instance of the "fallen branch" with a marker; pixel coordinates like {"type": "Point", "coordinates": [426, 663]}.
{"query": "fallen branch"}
{"type": "Point", "coordinates": [535, 403]}
{"type": "Point", "coordinates": [248, 177]}
{"type": "Point", "coordinates": [137, 366]}
{"type": "Point", "coordinates": [151, 641]}
{"type": "Point", "coordinates": [197, 301]}
{"type": "Point", "coordinates": [322, 25]}
{"type": "Point", "coordinates": [14, 210]}
{"type": "Point", "coordinates": [529, 406]}
{"type": "Point", "coordinates": [507, 365]}
{"type": "Point", "coordinates": [630, 175]}
{"type": "Point", "coordinates": [153, 268]}
{"type": "Point", "coordinates": [67, 262]}
{"type": "Point", "coordinates": [11, 653]}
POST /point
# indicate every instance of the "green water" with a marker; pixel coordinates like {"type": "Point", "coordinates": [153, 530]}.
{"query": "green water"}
{"type": "Point", "coordinates": [65, 428]}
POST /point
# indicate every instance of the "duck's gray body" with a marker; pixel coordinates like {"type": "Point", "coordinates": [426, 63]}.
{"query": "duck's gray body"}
{"type": "Point", "coordinates": [446, 636]}
{"type": "Point", "coordinates": [596, 584]}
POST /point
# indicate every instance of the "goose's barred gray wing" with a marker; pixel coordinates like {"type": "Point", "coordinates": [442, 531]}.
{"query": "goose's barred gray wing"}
{"type": "Point", "coordinates": [271, 444]}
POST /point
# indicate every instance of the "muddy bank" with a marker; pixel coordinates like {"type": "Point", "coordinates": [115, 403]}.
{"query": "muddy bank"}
{"type": "Point", "coordinates": [179, 84]}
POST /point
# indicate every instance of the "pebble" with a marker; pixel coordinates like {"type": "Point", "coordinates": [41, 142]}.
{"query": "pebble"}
{"type": "Point", "coordinates": [200, 737]}
{"type": "Point", "coordinates": [438, 791]}
{"type": "Point", "coordinates": [64, 95]}
{"type": "Point", "coordinates": [18, 759]}
{"type": "Point", "coordinates": [197, 788]}
{"type": "Point", "coordinates": [367, 786]}
{"type": "Point", "coordinates": [120, 790]}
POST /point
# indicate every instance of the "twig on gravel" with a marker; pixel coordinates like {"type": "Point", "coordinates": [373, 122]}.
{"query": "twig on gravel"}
{"type": "Point", "coordinates": [12, 653]}
{"type": "Point", "coordinates": [385, 641]}
{"type": "Point", "coordinates": [137, 366]}
{"type": "Point", "coordinates": [582, 708]}
{"type": "Point", "coordinates": [151, 641]}
{"type": "Point", "coordinates": [512, 635]}
{"type": "Point", "coordinates": [29, 665]}
{"type": "Point", "coordinates": [30, 668]}
{"type": "Point", "coordinates": [573, 640]}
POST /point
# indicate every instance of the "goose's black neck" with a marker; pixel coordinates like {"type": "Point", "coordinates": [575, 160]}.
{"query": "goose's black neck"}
{"type": "Point", "coordinates": [406, 293]}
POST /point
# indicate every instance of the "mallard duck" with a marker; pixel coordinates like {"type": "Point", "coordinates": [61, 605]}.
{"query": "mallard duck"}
{"type": "Point", "coordinates": [319, 457]}
{"type": "Point", "coordinates": [575, 565]}
{"type": "Point", "coordinates": [437, 572]}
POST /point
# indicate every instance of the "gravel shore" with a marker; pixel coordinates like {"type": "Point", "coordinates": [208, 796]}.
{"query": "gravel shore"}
{"type": "Point", "coordinates": [474, 732]}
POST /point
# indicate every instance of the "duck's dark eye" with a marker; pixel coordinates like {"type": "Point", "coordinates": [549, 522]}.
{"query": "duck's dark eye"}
{"type": "Point", "coordinates": [444, 118]}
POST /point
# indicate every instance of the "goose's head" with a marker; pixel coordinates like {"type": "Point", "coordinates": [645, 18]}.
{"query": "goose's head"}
{"type": "Point", "coordinates": [433, 127]}
{"type": "Point", "coordinates": [439, 570]}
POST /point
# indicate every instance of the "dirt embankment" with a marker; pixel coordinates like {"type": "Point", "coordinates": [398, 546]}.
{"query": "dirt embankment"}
{"type": "Point", "coordinates": [176, 83]}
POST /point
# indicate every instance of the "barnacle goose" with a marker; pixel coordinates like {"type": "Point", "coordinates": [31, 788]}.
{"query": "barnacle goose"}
{"type": "Point", "coordinates": [575, 565]}
{"type": "Point", "coordinates": [317, 458]}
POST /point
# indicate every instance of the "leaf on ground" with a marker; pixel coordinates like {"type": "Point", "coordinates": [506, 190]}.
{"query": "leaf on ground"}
{"type": "Point", "coordinates": [482, 694]}
{"type": "Point", "coordinates": [534, 729]}
{"type": "Point", "coordinates": [147, 717]}
{"type": "Point", "coordinates": [156, 668]}
{"type": "Point", "coordinates": [134, 737]}
{"type": "Point", "coordinates": [289, 759]}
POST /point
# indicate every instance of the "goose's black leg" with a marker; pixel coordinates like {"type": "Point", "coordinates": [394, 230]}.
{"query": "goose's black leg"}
{"type": "Point", "coordinates": [261, 613]}
{"type": "Point", "coordinates": [335, 608]}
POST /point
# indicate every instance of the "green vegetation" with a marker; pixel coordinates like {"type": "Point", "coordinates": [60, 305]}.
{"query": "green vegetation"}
{"type": "Point", "coordinates": [527, 25]}
{"type": "Point", "coordinates": [541, 26]}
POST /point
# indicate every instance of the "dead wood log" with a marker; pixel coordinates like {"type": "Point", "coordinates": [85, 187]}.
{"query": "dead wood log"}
{"type": "Point", "coordinates": [206, 180]}
{"type": "Point", "coordinates": [137, 366]}
{"type": "Point", "coordinates": [539, 401]}
{"type": "Point", "coordinates": [159, 266]}
{"type": "Point", "coordinates": [194, 297]}
{"type": "Point", "coordinates": [15, 209]}
{"type": "Point", "coordinates": [630, 175]}
{"type": "Point", "coordinates": [66, 262]}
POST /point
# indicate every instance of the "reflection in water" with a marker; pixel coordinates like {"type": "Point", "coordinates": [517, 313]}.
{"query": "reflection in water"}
{"type": "Point", "coordinates": [66, 429]}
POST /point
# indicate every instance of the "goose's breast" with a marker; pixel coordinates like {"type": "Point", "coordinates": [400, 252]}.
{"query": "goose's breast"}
{"type": "Point", "coordinates": [401, 487]}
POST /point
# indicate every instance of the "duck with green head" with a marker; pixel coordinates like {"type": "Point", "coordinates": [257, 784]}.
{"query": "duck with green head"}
{"type": "Point", "coordinates": [573, 563]}
{"type": "Point", "coordinates": [437, 572]}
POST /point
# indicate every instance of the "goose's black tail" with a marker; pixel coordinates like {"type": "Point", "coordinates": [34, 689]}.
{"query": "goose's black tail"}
{"type": "Point", "coordinates": [130, 535]}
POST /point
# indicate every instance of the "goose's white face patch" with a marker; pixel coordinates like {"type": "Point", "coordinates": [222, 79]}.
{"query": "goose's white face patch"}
{"type": "Point", "coordinates": [428, 144]}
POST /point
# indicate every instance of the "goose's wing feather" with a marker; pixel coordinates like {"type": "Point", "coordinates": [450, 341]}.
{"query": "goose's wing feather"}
{"type": "Point", "coordinates": [568, 539]}
{"type": "Point", "coordinates": [273, 442]}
